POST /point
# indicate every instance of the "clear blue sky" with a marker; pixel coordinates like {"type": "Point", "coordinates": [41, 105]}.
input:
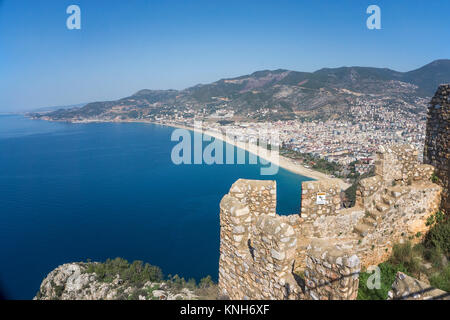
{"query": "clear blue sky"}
{"type": "Point", "coordinates": [127, 45]}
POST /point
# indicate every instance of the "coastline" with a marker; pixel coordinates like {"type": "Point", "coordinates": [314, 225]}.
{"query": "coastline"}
{"type": "Point", "coordinates": [281, 161]}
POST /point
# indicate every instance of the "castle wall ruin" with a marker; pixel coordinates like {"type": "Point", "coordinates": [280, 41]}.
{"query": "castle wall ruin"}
{"type": "Point", "coordinates": [317, 254]}
{"type": "Point", "coordinates": [437, 141]}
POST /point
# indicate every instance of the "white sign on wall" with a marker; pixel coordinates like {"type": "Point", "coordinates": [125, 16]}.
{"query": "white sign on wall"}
{"type": "Point", "coordinates": [321, 198]}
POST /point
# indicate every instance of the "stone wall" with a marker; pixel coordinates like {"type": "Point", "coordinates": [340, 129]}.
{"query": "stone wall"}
{"type": "Point", "coordinates": [257, 248]}
{"type": "Point", "coordinates": [400, 216]}
{"type": "Point", "coordinates": [399, 164]}
{"type": "Point", "coordinates": [331, 191]}
{"type": "Point", "coordinates": [391, 207]}
{"type": "Point", "coordinates": [264, 255]}
{"type": "Point", "coordinates": [332, 273]}
{"type": "Point", "coordinates": [259, 195]}
{"type": "Point", "coordinates": [437, 142]}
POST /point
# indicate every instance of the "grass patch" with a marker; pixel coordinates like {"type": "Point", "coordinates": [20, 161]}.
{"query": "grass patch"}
{"type": "Point", "coordinates": [387, 277]}
{"type": "Point", "coordinates": [441, 280]}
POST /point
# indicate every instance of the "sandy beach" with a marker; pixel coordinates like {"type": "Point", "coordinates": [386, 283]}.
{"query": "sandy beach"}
{"type": "Point", "coordinates": [283, 162]}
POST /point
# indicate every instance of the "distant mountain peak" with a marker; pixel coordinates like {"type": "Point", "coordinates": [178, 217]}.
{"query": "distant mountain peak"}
{"type": "Point", "coordinates": [328, 92]}
{"type": "Point", "coordinates": [439, 62]}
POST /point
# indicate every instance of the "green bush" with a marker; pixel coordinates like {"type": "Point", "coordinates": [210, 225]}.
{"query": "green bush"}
{"type": "Point", "coordinates": [387, 277]}
{"type": "Point", "coordinates": [206, 282]}
{"type": "Point", "coordinates": [176, 282]}
{"type": "Point", "coordinates": [407, 256]}
{"type": "Point", "coordinates": [433, 255]}
{"type": "Point", "coordinates": [434, 178]}
{"type": "Point", "coordinates": [438, 217]}
{"type": "Point", "coordinates": [135, 273]}
{"type": "Point", "coordinates": [191, 284]}
{"type": "Point", "coordinates": [439, 234]}
{"type": "Point", "coordinates": [58, 291]}
{"type": "Point", "coordinates": [441, 280]}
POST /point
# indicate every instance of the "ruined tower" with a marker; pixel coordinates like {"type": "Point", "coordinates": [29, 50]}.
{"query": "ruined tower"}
{"type": "Point", "coordinates": [437, 142]}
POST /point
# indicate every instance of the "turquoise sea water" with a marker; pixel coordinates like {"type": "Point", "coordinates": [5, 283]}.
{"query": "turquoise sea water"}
{"type": "Point", "coordinates": [69, 192]}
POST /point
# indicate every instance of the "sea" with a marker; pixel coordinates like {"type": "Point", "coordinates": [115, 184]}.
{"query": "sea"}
{"type": "Point", "coordinates": [73, 192]}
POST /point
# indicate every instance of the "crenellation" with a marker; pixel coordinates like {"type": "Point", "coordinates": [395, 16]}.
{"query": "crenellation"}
{"type": "Point", "coordinates": [256, 260]}
{"type": "Point", "coordinates": [262, 254]}
{"type": "Point", "coordinates": [367, 191]}
{"type": "Point", "coordinates": [312, 207]}
{"type": "Point", "coordinates": [398, 164]}
{"type": "Point", "coordinates": [259, 195]}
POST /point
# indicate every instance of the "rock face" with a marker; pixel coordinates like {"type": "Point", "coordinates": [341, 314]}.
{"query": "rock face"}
{"type": "Point", "coordinates": [72, 282]}
{"type": "Point", "coordinates": [264, 255]}
{"type": "Point", "coordinates": [437, 142]}
{"type": "Point", "coordinates": [408, 288]}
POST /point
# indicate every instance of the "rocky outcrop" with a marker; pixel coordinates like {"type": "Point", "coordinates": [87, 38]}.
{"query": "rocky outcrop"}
{"type": "Point", "coordinates": [408, 288]}
{"type": "Point", "coordinates": [72, 282]}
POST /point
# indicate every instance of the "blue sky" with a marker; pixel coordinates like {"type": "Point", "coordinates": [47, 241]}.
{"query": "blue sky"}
{"type": "Point", "coordinates": [124, 46]}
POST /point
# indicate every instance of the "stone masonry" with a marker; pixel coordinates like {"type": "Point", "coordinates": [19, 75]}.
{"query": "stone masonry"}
{"type": "Point", "coordinates": [257, 249]}
{"type": "Point", "coordinates": [437, 141]}
{"type": "Point", "coordinates": [317, 254]}
{"type": "Point", "coordinates": [332, 273]}
{"type": "Point", "coordinates": [310, 210]}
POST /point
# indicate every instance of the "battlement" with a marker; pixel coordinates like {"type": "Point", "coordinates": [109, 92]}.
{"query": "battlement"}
{"type": "Point", "coordinates": [399, 164]}
{"type": "Point", "coordinates": [257, 248]}
{"type": "Point", "coordinates": [320, 198]}
{"type": "Point", "coordinates": [262, 254]}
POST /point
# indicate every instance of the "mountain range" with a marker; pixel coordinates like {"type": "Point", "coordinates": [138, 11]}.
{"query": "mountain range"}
{"type": "Point", "coordinates": [279, 94]}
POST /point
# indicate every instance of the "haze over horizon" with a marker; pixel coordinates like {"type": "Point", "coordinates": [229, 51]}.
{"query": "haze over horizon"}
{"type": "Point", "coordinates": [124, 47]}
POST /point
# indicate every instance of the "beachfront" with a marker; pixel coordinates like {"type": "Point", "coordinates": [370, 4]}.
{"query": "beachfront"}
{"type": "Point", "coordinates": [273, 157]}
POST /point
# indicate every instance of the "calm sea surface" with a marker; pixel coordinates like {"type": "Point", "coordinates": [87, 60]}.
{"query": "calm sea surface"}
{"type": "Point", "coordinates": [69, 192]}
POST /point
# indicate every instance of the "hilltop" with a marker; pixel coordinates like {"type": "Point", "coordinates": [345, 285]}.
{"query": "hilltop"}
{"type": "Point", "coordinates": [276, 95]}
